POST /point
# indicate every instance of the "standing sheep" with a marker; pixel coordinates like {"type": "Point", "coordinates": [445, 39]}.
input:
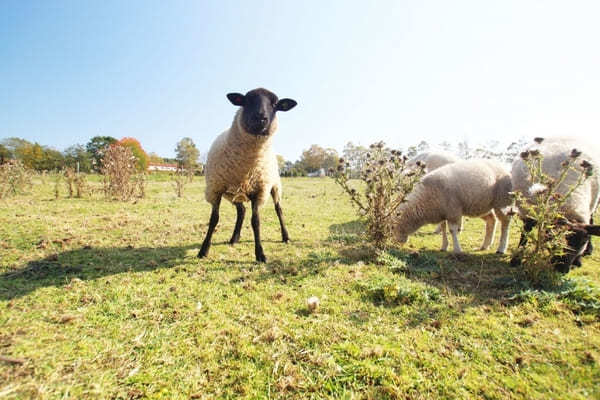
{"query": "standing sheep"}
{"type": "Point", "coordinates": [241, 165]}
{"type": "Point", "coordinates": [436, 159]}
{"type": "Point", "coordinates": [578, 209]}
{"type": "Point", "coordinates": [471, 187]}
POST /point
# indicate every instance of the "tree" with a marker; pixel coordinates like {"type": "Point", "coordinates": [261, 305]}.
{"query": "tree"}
{"type": "Point", "coordinates": [355, 156]}
{"type": "Point", "coordinates": [137, 151]}
{"type": "Point", "coordinates": [280, 163]}
{"type": "Point", "coordinates": [316, 157]}
{"type": "Point", "coordinates": [5, 154]}
{"type": "Point", "coordinates": [187, 154]}
{"type": "Point", "coordinates": [155, 158]}
{"type": "Point", "coordinates": [96, 146]}
{"type": "Point", "coordinates": [78, 154]}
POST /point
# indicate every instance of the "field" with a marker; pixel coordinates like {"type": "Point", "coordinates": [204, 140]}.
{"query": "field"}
{"type": "Point", "coordinates": [105, 299]}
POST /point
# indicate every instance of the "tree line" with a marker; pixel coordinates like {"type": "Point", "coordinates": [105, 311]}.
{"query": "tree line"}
{"type": "Point", "coordinates": [88, 158]}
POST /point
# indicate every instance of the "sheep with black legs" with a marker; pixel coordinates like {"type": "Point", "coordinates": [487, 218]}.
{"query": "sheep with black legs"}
{"type": "Point", "coordinates": [241, 165]}
{"type": "Point", "coordinates": [578, 209]}
{"type": "Point", "coordinates": [470, 188]}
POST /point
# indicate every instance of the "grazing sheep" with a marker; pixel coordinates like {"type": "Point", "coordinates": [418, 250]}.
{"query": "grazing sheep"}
{"type": "Point", "coordinates": [578, 209]}
{"type": "Point", "coordinates": [433, 160]}
{"type": "Point", "coordinates": [436, 159]}
{"type": "Point", "coordinates": [241, 165]}
{"type": "Point", "coordinates": [471, 188]}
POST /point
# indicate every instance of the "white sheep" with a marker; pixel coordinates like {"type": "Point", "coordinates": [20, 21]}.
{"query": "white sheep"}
{"type": "Point", "coordinates": [471, 187]}
{"type": "Point", "coordinates": [241, 165]}
{"type": "Point", "coordinates": [579, 208]}
{"type": "Point", "coordinates": [434, 160]}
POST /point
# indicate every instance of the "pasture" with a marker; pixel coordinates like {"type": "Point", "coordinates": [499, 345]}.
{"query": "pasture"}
{"type": "Point", "coordinates": [104, 299]}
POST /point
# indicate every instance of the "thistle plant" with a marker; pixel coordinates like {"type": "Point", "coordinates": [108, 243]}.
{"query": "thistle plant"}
{"type": "Point", "coordinates": [384, 182]}
{"type": "Point", "coordinates": [543, 204]}
{"type": "Point", "coordinates": [14, 178]}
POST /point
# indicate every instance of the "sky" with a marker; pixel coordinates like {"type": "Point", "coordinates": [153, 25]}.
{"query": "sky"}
{"type": "Point", "coordinates": [397, 71]}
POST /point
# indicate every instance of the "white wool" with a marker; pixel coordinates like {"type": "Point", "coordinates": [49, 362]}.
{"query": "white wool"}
{"type": "Point", "coordinates": [240, 164]}
{"type": "Point", "coordinates": [581, 205]}
{"type": "Point", "coordinates": [433, 160]}
{"type": "Point", "coordinates": [471, 187]}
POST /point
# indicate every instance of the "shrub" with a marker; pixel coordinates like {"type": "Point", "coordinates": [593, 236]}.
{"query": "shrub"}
{"type": "Point", "coordinates": [386, 181]}
{"type": "Point", "coordinates": [14, 178]}
{"type": "Point", "coordinates": [121, 182]}
{"type": "Point", "coordinates": [546, 241]}
{"type": "Point", "coordinates": [76, 183]}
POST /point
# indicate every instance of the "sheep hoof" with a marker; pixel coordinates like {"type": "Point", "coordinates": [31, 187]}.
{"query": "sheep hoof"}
{"type": "Point", "coordinates": [286, 240]}
{"type": "Point", "coordinates": [499, 252]}
{"type": "Point", "coordinates": [261, 258]}
{"type": "Point", "coordinates": [201, 254]}
{"type": "Point", "coordinates": [515, 262]}
{"type": "Point", "coordinates": [234, 240]}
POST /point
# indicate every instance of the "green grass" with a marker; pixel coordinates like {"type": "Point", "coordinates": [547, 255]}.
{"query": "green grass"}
{"type": "Point", "coordinates": [108, 300]}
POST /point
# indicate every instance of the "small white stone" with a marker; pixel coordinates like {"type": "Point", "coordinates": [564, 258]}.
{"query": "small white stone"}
{"type": "Point", "coordinates": [312, 303]}
{"type": "Point", "coordinates": [198, 306]}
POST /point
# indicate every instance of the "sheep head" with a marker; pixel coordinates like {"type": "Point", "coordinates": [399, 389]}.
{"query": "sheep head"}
{"type": "Point", "coordinates": [258, 110]}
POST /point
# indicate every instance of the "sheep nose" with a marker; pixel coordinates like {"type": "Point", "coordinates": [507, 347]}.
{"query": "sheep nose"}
{"type": "Point", "coordinates": [263, 121]}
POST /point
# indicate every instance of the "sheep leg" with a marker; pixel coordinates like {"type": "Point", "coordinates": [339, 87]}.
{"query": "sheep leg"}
{"type": "Point", "coordinates": [454, 230]}
{"type": "Point", "coordinates": [285, 238]}
{"type": "Point", "coordinates": [258, 249]}
{"type": "Point", "coordinates": [212, 224]}
{"type": "Point", "coordinates": [528, 225]}
{"type": "Point", "coordinates": [490, 230]}
{"type": "Point", "coordinates": [504, 227]}
{"type": "Point", "coordinates": [589, 248]}
{"type": "Point", "coordinates": [442, 226]}
{"type": "Point", "coordinates": [241, 213]}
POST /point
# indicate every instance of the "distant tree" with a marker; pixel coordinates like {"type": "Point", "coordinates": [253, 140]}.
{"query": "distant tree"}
{"type": "Point", "coordinates": [464, 150]}
{"type": "Point", "coordinates": [5, 154]}
{"type": "Point", "coordinates": [512, 150]}
{"type": "Point", "coordinates": [187, 154]}
{"type": "Point", "coordinates": [13, 144]}
{"type": "Point", "coordinates": [155, 158]}
{"type": "Point", "coordinates": [422, 147]}
{"type": "Point", "coordinates": [137, 151]}
{"type": "Point", "coordinates": [412, 151]}
{"type": "Point", "coordinates": [356, 156]}
{"type": "Point", "coordinates": [446, 146]}
{"type": "Point", "coordinates": [78, 154]}
{"type": "Point", "coordinates": [96, 146]}
{"type": "Point", "coordinates": [316, 157]}
{"type": "Point", "coordinates": [280, 163]}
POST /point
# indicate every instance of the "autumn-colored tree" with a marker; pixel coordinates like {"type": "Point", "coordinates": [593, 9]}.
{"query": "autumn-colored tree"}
{"type": "Point", "coordinates": [316, 157]}
{"type": "Point", "coordinates": [155, 158]}
{"type": "Point", "coordinates": [137, 151]}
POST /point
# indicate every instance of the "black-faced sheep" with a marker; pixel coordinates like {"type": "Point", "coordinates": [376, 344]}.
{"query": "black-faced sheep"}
{"type": "Point", "coordinates": [578, 209]}
{"type": "Point", "coordinates": [241, 165]}
{"type": "Point", "coordinates": [471, 188]}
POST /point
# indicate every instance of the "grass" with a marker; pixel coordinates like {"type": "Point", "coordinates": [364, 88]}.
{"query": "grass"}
{"type": "Point", "coordinates": [108, 300]}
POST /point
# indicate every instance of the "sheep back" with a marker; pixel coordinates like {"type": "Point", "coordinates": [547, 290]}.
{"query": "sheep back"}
{"type": "Point", "coordinates": [583, 202]}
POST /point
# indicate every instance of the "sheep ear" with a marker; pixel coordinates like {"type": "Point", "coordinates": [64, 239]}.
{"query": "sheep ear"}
{"type": "Point", "coordinates": [593, 230]}
{"type": "Point", "coordinates": [237, 99]}
{"type": "Point", "coordinates": [285, 104]}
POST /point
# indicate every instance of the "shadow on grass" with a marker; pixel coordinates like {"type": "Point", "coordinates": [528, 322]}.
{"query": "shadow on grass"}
{"type": "Point", "coordinates": [87, 264]}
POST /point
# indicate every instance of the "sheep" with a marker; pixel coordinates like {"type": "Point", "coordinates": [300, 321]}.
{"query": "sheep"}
{"type": "Point", "coordinates": [471, 187]}
{"type": "Point", "coordinates": [578, 209]}
{"type": "Point", "coordinates": [436, 159]}
{"type": "Point", "coordinates": [241, 165]}
{"type": "Point", "coordinates": [433, 160]}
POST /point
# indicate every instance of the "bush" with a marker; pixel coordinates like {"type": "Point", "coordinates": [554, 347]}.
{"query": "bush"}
{"type": "Point", "coordinates": [14, 178]}
{"type": "Point", "coordinates": [121, 182]}
{"type": "Point", "coordinates": [546, 241]}
{"type": "Point", "coordinates": [386, 181]}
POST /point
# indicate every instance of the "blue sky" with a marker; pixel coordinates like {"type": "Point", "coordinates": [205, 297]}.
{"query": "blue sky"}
{"type": "Point", "coordinates": [398, 71]}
